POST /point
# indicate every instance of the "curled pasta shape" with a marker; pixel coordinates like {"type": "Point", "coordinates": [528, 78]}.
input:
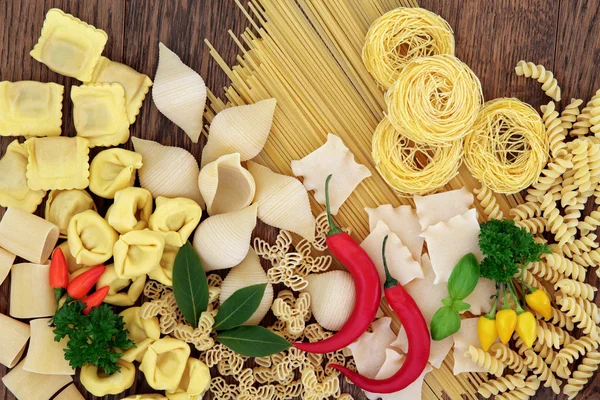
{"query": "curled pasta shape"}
{"type": "Point", "coordinates": [590, 222]}
{"type": "Point", "coordinates": [589, 365]}
{"type": "Point", "coordinates": [579, 148]}
{"type": "Point", "coordinates": [569, 114]}
{"type": "Point", "coordinates": [543, 76]}
{"type": "Point", "coordinates": [565, 266]}
{"type": "Point", "coordinates": [286, 272]}
{"type": "Point", "coordinates": [221, 390]}
{"type": "Point", "coordinates": [552, 335]}
{"type": "Point", "coordinates": [532, 384]}
{"type": "Point", "coordinates": [578, 315]}
{"type": "Point", "coordinates": [501, 385]}
{"type": "Point", "coordinates": [559, 319]}
{"type": "Point", "coordinates": [489, 203]}
{"type": "Point", "coordinates": [293, 390]}
{"type": "Point", "coordinates": [509, 357]}
{"type": "Point", "coordinates": [310, 264]}
{"type": "Point", "coordinates": [534, 226]}
{"type": "Point", "coordinates": [583, 124]}
{"type": "Point", "coordinates": [575, 288]}
{"type": "Point", "coordinates": [315, 332]}
{"type": "Point", "coordinates": [526, 211]}
{"type": "Point", "coordinates": [531, 280]}
{"type": "Point", "coordinates": [549, 177]}
{"type": "Point", "coordinates": [556, 223]}
{"type": "Point", "coordinates": [579, 246]}
{"type": "Point", "coordinates": [590, 308]}
{"type": "Point", "coordinates": [293, 315]}
{"type": "Point", "coordinates": [554, 128]}
{"type": "Point", "coordinates": [154, 290]}
{"type": "Point", "coordinates": [485, 360]}
{"type": "Point", "coordinates": [539, 367]}
{"type": "Point", "coordinates": [542, 271]}
{"type": "Point", "coordinates": [318, 390]}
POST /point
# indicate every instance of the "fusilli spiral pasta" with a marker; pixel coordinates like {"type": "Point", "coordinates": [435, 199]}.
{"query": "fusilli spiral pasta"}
{"type": "Point", "coordinates": [578, 315]}
{"type": "Point", "coordinates": [490, 205]}
{"type": "Point", "coordinates": [550, 176]}
{"type": "Point", "coordinates": [533, 225]}
{"type": "Point", "coordinates": [539, 367]}
{"type": "Point", "coordinates": [569, 114]}
{"type": "Point", "coordinates": [501, 385]}
{"type": "Point", "coordinates": [589, 365]}
{"type": "Point", "coordinates": [543, 76]}
{"type": "Point", "coordinates": [532, 384]}
{"type": "Point", "coordinates": [542, 271]}
{"type": "Point", "coordinates": [555, 130]}
{"type": "Point", "coordinates": [575, 288]}
{"type": "Point", "coordinates": [509, 357]}
{"type": "Point", "coordinates": [556, 223]}
{"type": "Point", "coordinates": [559, 319]}
{"type": "Point", "coordinates": [565, 266]}
{"type": "Point", "coordinates": [526, 211]}
{"type": "Point", "coordinates": [485, 360]}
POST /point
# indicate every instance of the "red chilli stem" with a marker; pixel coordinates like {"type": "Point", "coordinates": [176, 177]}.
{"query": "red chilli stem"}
{"type": "Point", "coordinates": [333, 228]}
{"type": "Point", "coordinates": [390, 281]}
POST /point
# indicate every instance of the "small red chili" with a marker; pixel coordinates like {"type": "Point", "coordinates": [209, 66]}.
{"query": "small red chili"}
{"type": "Point", "coordinates": [59, 274]}
{"type": "Point", "coordinates": [419, 341]}
{"type": "Point", "coordinates": [366, 282]}
{"type": "Point", "coordinates": [95, 299]}
{"type": "Point", "coordinates": [81, 285]}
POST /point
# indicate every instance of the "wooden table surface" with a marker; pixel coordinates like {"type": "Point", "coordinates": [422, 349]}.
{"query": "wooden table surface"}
{"type": "Point", "coordinates": [491, 36]}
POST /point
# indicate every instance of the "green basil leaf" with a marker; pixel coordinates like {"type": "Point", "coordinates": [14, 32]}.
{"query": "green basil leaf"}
{"type": "Point", "coordinates": [253, 341]}
{"type": "Point", "coordinates": [189, 284]}
{"type": "Point", "coordinates": [448, 301]}
{"type": "Point", "coordinates": [239, 307]}
{"type": "Point", "coordinates": [460, 306]}
{"type": "Point", "coordinates": [445, 322]}
{"type": "Point", "coordinates": [464, 277]}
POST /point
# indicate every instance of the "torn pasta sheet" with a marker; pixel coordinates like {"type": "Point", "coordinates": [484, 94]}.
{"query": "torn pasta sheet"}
{"type": "Point", "coordinates": [369, 351]}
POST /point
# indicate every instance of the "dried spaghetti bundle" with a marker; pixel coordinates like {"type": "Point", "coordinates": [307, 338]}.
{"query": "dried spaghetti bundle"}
{"type": "Point", "coordinates": [401, 35]}
{"type": "Point", "coordinates": [507, 147]}
{"type": "Point", "coordinates": [435, 100]}
{"type": "Point", "coordinates": [411, 167]}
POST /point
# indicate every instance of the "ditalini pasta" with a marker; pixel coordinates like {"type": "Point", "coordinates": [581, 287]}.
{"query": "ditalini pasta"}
{"type": "Point", "coordinates": [62, 205]}
{"type": "Point", "coordinates": [30, 108]}
{"type": "Point", "coordinates": [223, 241]}
{"type": "Point", "coordinates": [194, 382]}
{"type": "Point", "coordinates": [99, 113]}
{"type": "Point", "coordinates": [135, 84]}
{"type": "Point", "coordinates": [30, 293]}
{"type": "Point", "coordinates": [7, 259]}
{"type": "Point", "coordinates": [28, 236]}
{"type": "Point", "coordinates": [45, 356]}
{"type": "Point", "coordinates": [13, 338]}
{"type": "Point", "coordinates": [70, 393]}
{"type": "Point", "coordinates": [248, 272]}
{"type": "Point", "coordinates": [100, 384]}
{"type": "Point", "coordinates": [332, 298]}
{"type": "Point", "coordinates": [333, 158]}
{"type": "Point", "coordinates": [131, 210]}
{"type": "Point", "coordinates": [164, 363]}
{"type": "Point", "coordinates": [243, 129]}
{"type": "Point", "coordinates": [175, 219]}
{"type": "Point", "coordinates": [14, 191]}
{"type": "Point", "coordinates": [46, 171]}
{"type": "Point", "coordinates": [137, 253]}
{"type": "Point", "coordinates": [71, 261]}
{"type": "Point", "coordinates": [282, 202]}
{"type": "Point", "coordinates": [142, 331]}
{"type": "Point", "coordinates": [91, 238]}
{"type": "Point", "coordinates": [179, 93]}
{"type": "Point", "coordinates": [225, 185]}
{"type": "Point", "coordinates": [31, 386]}
{"type": "Point", "coordinates": [113, 170]}
{"type": "Point", "coordinates": [69, 46]}
{"type": "Point", "coordinates": [168, 171]}
{"type": "Point", "coordinates": [441, 207]}
{"type": "Point", "coordinates": [117, 295]}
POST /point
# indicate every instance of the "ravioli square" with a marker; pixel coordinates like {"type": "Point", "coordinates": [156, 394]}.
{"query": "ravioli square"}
{"type": "Point", "coordinates": [135, 84]}
{"type": "Point", "coordinates": [58, 163]}
{"type": "Point", "coordinates": [69, 46]}
{"type": "Point", "coordinates": [99, 113]}
{"type": "Point", "coordinates": [30, 108]}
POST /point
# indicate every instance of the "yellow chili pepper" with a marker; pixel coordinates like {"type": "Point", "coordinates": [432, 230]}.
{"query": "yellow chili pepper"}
{"type": "Point", "coordinates": [506, 322]}
{"type": "Point", "coordinates": [539, 302]}
{"type": "Point", "coordinates": [487, 331]}
{"type": "Point", "coordinates": [527, 328]}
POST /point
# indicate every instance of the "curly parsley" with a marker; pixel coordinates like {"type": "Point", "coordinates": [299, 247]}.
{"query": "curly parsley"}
{"type": "Point", "coordinates": [96, 339]}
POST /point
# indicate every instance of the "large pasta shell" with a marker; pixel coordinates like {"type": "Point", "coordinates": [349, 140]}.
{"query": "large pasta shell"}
{"type": "Point", "coordinates": [242, 129]}
{"type": "Point", "coordinates": [223, 241]}
{"type": "Point", "coordinates": [179, 93]}
{"type": "Point", "coordinates": [248, 272]}
{"type": "Point", "coordinates": [225, 185]}
{"type": "Point", "coordinates": [282, 201]}
{"type": "Point", "coordinates": [168, 171]}
{"type": "Point", "coordinates": [332, 298]}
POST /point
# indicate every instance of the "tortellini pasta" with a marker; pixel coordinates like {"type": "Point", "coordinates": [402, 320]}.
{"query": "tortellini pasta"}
{"type": "Point", "coordinates": [131, 210]}
{"type": "Point", "coordinates": [116, 295]}
{"type": "Point", "coordinates": [194, 382]}
{"type": "Point", "coordinates": [100, 384]}
{"type": "Point", "coordinates": [152, 396]}
{"type": "Point", "coordinates": [137, 253]}
{"type": "Point", "coordinates": [62, 205]}
{"type": "Point", "coordinates": [91, 238]}
{"type": "Point", "coordinates": [142, 331]}
{"type": "Point", "coordinates": [175, 219]}
{"type": "Point", "coordinates": [30, 108]}
{"type": "Point", "coordinates": [164, 363]}
{"type": "Point", "coordinates": [14, 191]}
{"type": "Point", "coordinates": [71, 261]}
{"type": "Point", "coordinates": [113, 170]}
{"type": "Point", "coordinates": [164, 274]}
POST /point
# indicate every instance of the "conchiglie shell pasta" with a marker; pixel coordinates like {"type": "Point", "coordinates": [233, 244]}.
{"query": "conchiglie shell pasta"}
{"type": "Point", "coordinates": [91, 238]}
{"type": "Point", "coordinates": [113, 170]}
{"type": "Point", "coordinates": [138, 252]}
{"type": "Point", "coordinates": [223, 241]}
{"type": "Point", "coordinates": [179, 93]}
{"type": "Point", "coordinates": [131, 210]}
{"type": "Point", "coordinates": [242, 129]}
{"type": "Point", "coordinates": [168, 171]}
{"type": "Point", "coordinates": [225, 185]}
{"type": "Point", "coordinates": [248, 272]}
{"type": "Point", "coordinates": [175, 219]}
{"type": "Point", "coordinates": [99, 384]}
{"type": "Point", "coordinates": [62, 205]}
{"type": "Point", "coordinates": [282, 202]}
{"type": "Point", "coordinates": [332, 298]}
{"type": "Point", "coordinates": [164, 363]}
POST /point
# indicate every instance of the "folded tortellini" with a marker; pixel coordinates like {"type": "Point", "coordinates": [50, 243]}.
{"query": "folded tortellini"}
{"type": "Point", "coordinates": [91, 238]}
{"type": "Point", "coordinates": [100, 384]}
{"type": "Point", "coordinates": [62, 205]}
{"type": "Point", "coordinates": [153, 396]}
{"type": "Point", "coordinates": [138, 252]}
{"type": "Point", "coordinates": [164, 363]}
{"type": "Point", "coordinates": [194, 382]}
{"type": "Point", "coordinates": [71, 261]}
{"type": "Point", "coordinates": [164, 274]}
{"type": "Point", "coordinates": [116, 295]}
{"type": "Point", "coordinates": [142, 331]}
{"type": "Point", "coordinates": [113, 170]}
{"type": "Point", "coordinates": [131, 210]}
{"type": "Point", "coordinates": [176, 219]}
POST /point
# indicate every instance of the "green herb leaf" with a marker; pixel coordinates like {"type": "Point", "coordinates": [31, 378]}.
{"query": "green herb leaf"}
{"type": "Point", "coordinates": [253, 341]}
{"type": "Point", "coordinates": [460, 306]}
{"type": "Point", "coordinates": [239, 307]}
{"type": "Point", "coordinates": [464, 277]}
{"type": "Point", "coordinates": [448, 301]}
{"type": "Point", "coordinates": [189, 284]}
{"type": "Point", "coordinates": [445, 322]}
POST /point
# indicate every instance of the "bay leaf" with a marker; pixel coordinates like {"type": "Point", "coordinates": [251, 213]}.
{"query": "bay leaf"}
{"type": "Point", "coordinates": [239, 307]}
{"type": "Point", "coordinates": [253, 341]}
{"type": "Point", "coordinates": [189, 284]}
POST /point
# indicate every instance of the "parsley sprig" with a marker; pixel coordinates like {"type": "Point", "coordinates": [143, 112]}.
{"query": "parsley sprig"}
{"type": "Point", "coordinates": [97, 338]}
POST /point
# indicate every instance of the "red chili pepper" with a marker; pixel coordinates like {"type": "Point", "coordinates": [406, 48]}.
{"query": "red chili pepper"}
{"type": "Point", "coordinates": [59, 274]}
{"type": "Point", "coordinates": [366, 282]}
{"type": "Point", "coordinates": [419, 342]}
{"type": "Point", "coordinates": [95, 299]}
{"type": "Point", "coordinates": [81, 285]}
